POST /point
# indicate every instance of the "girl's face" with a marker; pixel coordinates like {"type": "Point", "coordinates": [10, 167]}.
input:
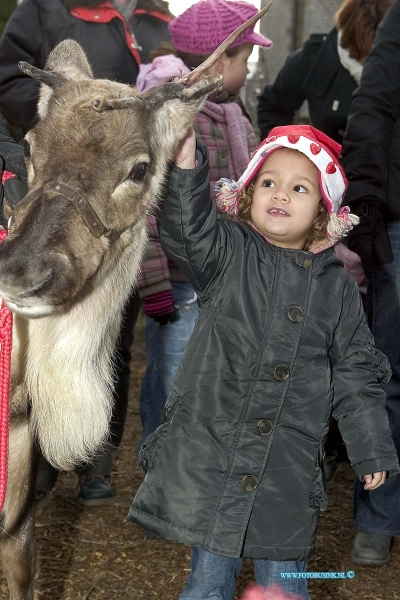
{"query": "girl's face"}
{"type": "Point", "coordinates": [234, 70]}
{"type": "Point", "coordinates": [286, 198]}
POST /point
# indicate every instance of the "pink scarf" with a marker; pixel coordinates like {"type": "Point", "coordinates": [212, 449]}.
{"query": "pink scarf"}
{"type": "Point", "coordinates": [230, 116]}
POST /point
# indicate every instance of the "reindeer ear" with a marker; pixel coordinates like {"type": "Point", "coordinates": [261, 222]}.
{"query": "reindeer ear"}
{"type": "Point", "coordinates": [67, 62]}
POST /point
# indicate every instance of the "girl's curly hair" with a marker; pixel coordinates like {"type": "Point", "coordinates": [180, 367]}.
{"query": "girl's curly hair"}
{"type": "Point", "coordinates": [318, 230]}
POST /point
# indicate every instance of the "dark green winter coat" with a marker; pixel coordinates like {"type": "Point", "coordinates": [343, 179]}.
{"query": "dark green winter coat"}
{"type": "Point", "coordinates": [279, 345]}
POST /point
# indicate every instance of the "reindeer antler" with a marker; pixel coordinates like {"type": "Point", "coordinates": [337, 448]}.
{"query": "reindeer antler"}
{"type": "Point", "coordinates": [50, 78]}
{"type": "Point", "coordinates": [211, 60]}
{"type": "Point", "coordinates": [177, 88]}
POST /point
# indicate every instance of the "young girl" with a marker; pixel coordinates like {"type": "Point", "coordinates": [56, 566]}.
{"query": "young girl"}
{"type": "Point", "coordinates": [169, 300]}
{"type": "Point", "coordinates": [280, 344]}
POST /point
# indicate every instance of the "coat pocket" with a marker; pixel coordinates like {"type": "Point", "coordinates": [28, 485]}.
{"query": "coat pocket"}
{"type": "Point", "coordinates": [152, 446]}
{"type": "Point", "coordinates": [318, 497]}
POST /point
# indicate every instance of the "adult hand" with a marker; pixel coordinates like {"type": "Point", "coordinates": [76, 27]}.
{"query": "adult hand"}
{"type": "Point", "coordinates": [12, 160]}
{"type": "Point", "coordinates": [185, 157]}
{"type": "Point", "coordinates": [374, 480]}
{"type": "Point", "coordinates": [370, 239]}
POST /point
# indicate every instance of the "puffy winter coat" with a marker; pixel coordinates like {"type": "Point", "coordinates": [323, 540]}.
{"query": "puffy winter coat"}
{"type": "Point", "coordinates": [37, 26]}
{"type": "Point", "coordinates": [313, 73]}
{"type": "Point", "coordinates": [371, 150]}
{"type": "Point", "coordinates": [280, 344]}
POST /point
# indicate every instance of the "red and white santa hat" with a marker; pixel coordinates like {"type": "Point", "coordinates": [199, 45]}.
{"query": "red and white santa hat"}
{"type": "Point", "coordinates": [321, 150]}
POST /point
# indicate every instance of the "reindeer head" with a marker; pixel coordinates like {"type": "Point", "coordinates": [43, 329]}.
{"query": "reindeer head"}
{"type": "Point", "coordinates": [97, 161]}
{"type": "Point", "coordinates": [93, 175]}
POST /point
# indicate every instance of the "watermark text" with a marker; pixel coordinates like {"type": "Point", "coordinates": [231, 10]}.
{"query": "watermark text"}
{"type": "Point", "coordinates": [319, 575]}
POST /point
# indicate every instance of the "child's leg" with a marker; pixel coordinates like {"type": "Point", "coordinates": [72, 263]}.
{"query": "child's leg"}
{"type": "Point", "coordinates": [268, 572]}
{"type": "Point", "coordinates": [212, 577]}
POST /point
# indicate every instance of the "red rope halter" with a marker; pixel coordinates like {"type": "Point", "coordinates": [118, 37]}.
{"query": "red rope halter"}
{"type": "Point", "coordinates": [6, 323]}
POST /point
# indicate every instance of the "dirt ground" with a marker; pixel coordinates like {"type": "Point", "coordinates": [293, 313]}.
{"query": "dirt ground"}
{"type": "Point", "coordinates": [95, 554]}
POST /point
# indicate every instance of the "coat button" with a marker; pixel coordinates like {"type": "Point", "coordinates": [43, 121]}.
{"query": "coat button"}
{"type": "Point", "coordinates": [265, 427]}
{"type": "Point", "coordinates": [281, 372]}
{"type": "Point", "coordinates": [296, 314]}
{"type": "Point", "coordinates": [249, 483]}
{"type": "Point", "coordinates": [303, 260]}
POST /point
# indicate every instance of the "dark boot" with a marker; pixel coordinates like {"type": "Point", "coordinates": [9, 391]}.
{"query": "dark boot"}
{"type": "Point", "coordinates": [95, 482]}
{"type": "Point", "coordinates": [96, 490]}
{"type": "Point", "coordinates": [371, 549]}
{"type": "Point", "coordinates": [41, 498]}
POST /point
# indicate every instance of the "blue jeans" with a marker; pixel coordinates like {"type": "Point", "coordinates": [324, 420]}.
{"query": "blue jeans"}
{"type": "Point", "coordinates": [378, 511]}
{"type": "Point", "coordinates": [214, 577]}
{"type": "Point", "coordinates": [165, 345]}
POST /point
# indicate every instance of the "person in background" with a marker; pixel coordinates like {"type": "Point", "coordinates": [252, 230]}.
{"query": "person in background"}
{"type": "Point", "coordinates": [116, 38]}
{"type": "Point", "coordinates": [371, 159]}
{"type": "Point", "coordinates": [168, 299]}
{"type": "Point", "coordinates": [325, 72]}
{"type": "Point", "coordinates": [114, 46]}
{"type": "Point", "coordinates": [280, 343]}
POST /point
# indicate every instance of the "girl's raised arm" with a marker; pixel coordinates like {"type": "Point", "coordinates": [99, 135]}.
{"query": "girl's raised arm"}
{"type": "Point", "coordinates": [190, 233]}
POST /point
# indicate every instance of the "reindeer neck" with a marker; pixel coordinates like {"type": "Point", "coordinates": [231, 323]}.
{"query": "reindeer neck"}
{"type": "Point", "coordinates": [69, 370]}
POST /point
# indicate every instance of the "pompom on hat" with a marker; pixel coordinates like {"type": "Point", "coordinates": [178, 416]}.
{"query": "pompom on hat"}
{"type": "Point", "coordinates": [322, 151]}
{"type": "Point", "coordinates": [207, 23]}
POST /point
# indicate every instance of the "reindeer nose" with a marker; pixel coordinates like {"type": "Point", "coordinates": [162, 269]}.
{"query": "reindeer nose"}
{"type": "Point", "coordinates": [40, 287]}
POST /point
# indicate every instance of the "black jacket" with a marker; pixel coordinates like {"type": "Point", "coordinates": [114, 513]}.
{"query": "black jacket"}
{"type": "Point", "coordinates": [313, 73]}
{"type": "Point", "coordinates": [11, 159]}
{"type": "Point", "coordinates": [371, 150]}
{"type": "Point", "coordinates": [37, 26]}
{"type": "Point", "coordinates": [279, 345]}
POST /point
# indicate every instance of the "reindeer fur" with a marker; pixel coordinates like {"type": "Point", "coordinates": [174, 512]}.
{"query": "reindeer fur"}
{"type": "Point", "coordinates": [67, 287]}
{"type": "Point", "coordinates": [71, 413]}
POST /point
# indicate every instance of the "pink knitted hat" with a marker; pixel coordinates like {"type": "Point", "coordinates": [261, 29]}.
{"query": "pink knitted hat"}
{"type": "Point", "coordinates": [207, 23]}
{"type": "Point", "coordinates": [317, 147]}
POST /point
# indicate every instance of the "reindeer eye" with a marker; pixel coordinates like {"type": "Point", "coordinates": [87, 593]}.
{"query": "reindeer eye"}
{"type": "Point", "coordinates": [138, 173]}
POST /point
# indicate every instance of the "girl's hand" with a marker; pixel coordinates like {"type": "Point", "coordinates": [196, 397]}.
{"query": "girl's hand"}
{"type": "Point", "coordinates": [185, 157]}
{"type": "Point", "coordinates": [375, 480]}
